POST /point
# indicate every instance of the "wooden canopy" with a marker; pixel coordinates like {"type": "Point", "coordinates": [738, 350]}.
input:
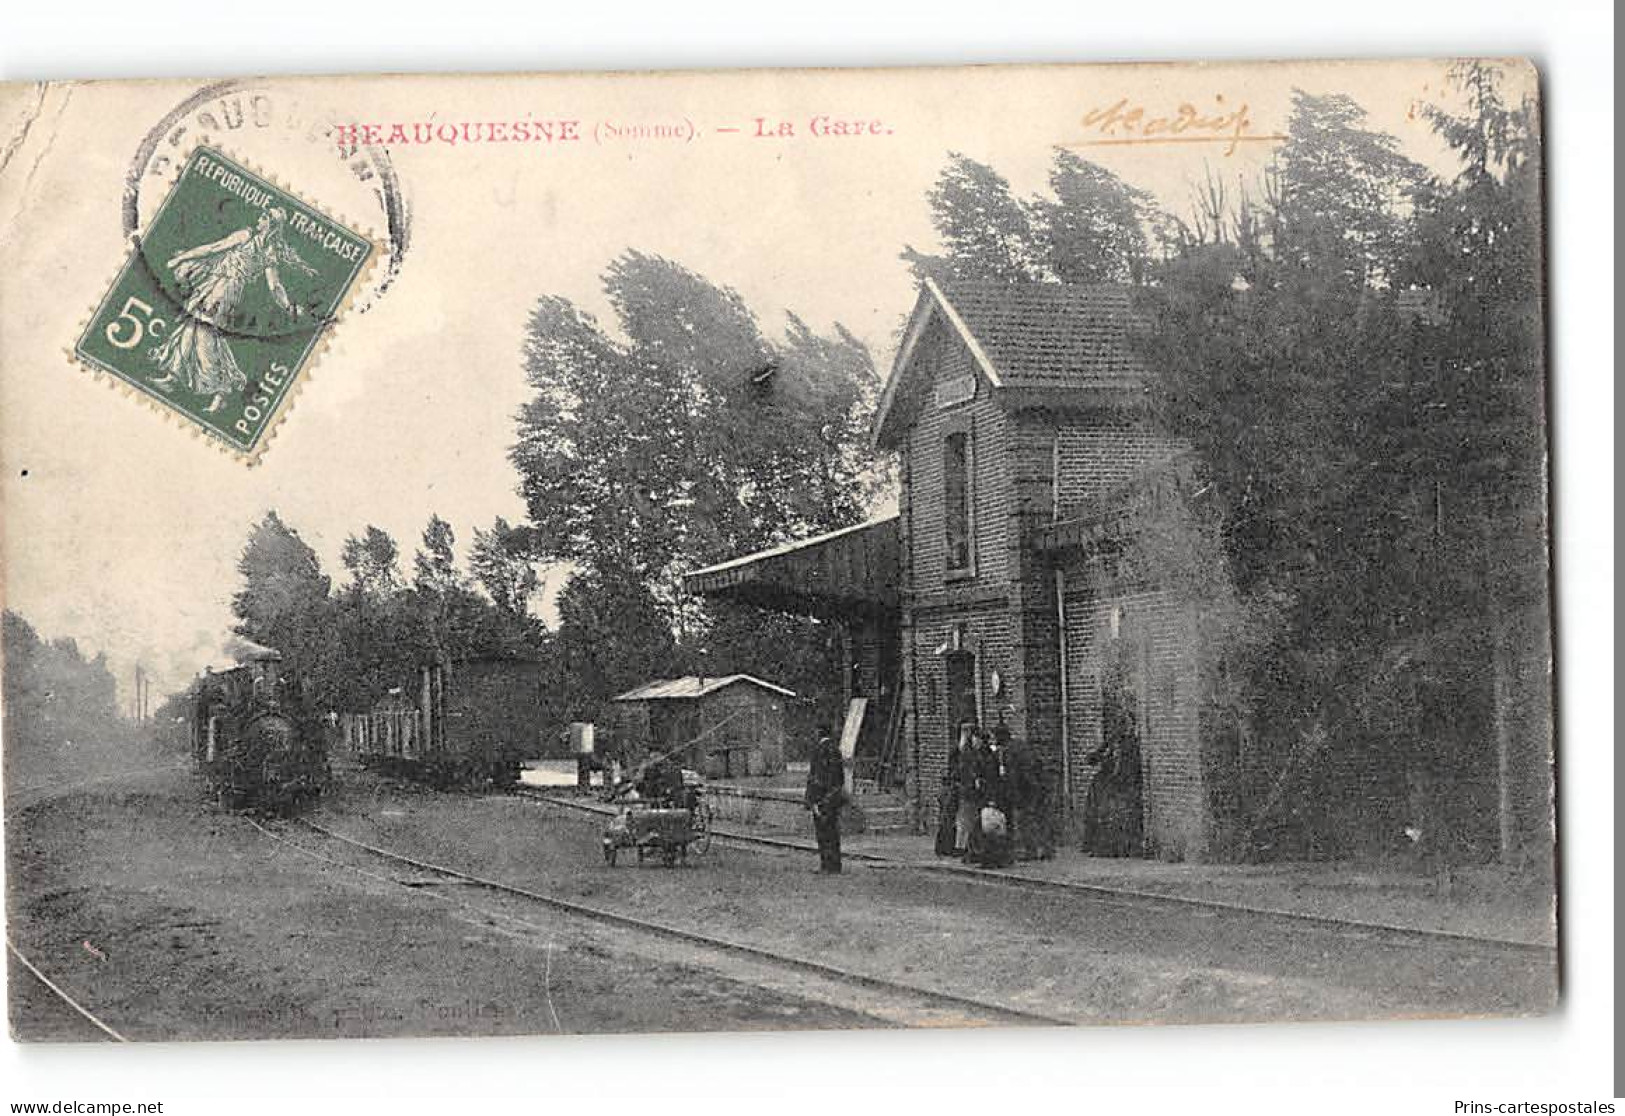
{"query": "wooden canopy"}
{"type": "Point", "coordinates": [853, 570]}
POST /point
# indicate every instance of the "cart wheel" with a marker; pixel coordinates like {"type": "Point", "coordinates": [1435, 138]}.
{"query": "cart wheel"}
{"type": "Point", "coordinates": [668, 856]}
{"type": "Point", "coordinates": [702, 828]}
{"type": "Point", "coordinates": [609, 855]}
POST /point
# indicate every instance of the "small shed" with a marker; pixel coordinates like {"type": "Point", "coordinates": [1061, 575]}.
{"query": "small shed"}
{"type": "Point", "coordinates": [726, 727]}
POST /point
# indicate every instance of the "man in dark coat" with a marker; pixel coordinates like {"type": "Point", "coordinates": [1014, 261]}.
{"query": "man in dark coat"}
{"type": "Point", "coordinates": [826, 790]}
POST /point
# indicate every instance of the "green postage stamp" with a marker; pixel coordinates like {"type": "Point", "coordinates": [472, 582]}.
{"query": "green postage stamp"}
{"type": "Point", "coordinates": [225, 300]}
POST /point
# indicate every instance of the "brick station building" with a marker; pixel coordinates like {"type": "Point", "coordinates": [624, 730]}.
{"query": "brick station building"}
{"type": "Point", "coordinates": [1017, 413]}
{"type": "Point", "coordinates": [1000, 592]}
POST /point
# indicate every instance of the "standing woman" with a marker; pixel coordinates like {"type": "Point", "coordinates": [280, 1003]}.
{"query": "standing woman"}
{"type": "Point", "coordinates": [948, 802]}
{"type": "Point", "coordinates": [1000, 792]}
{"type": "Point", "coordinates": [967, 822]}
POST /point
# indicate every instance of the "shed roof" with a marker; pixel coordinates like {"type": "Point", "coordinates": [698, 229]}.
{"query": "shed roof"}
{"type": "Point", "coordinates": [242, 650]}
{"type": "Point", "coordinates": [1025, 337]}
{"type": "Point", "coordinates": [690, 687]}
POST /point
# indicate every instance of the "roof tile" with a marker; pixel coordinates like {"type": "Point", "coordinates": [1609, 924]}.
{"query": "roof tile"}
{"type": "Point", "coordinates": [1051, 334]}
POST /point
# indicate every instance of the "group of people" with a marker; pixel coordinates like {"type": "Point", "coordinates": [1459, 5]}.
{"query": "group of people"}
{"type": "Point", "coordinates": [993, 805]}
{"type": "Point", "coordinates": [992, 808]}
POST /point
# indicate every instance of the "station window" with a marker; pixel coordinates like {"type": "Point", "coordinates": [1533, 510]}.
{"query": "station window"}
{"type": "Point", "coordinates": [956, 493]}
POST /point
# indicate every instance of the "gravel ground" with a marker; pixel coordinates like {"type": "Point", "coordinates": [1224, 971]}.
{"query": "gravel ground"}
{"type": "Point", "coordinates": [1079, 957]}
{"type": "Point", "coordinates": [174, 921]}
{"type": "Point", "coordinates": [171, 921]}
{"type": "Point", "coordinates": [1484, 902]}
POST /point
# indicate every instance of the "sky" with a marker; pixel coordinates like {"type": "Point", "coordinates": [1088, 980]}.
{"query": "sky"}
{"type": "Point", "coordinates": [122, 529]}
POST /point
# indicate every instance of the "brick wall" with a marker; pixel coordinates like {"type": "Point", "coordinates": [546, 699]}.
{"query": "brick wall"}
{"type": "Point", "coordinates": [944, 357]}
{"type": "Point", "coordinates": [1032, 678]}
{"type": "Point", "coordinates": [1035, 678]}
{"type": "Point", "coordinates": [935, 602]}
{"type": "Point", "coordinates": [1099, 451]}
{"type": "Point", "coordinates": [1154, 641]}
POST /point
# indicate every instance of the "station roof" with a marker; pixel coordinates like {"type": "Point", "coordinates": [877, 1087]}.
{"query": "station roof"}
{"type": "Point", "coordinates": [854, 569]}
{"type": "Point", "coordinates": [1028, 340]}
{"type": "Point", "coordinates": [690, 687]}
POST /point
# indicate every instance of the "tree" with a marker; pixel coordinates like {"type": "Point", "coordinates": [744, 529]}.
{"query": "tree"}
{"type": "Point", "coordinates": [378, 637]}
{"type": "Point", "coordinates": [613, 635]}
{"type": "Point", "coordinates": [434, 566]}
{"type": "Point", "coordinates": [1345, 192]}
{"type": "Point", "coordinates": [695, 438]}
{"type": "Point", "coordinates": [1090, 229]}
{"type": "Point", "coordinates": [1375, 456]}
{"type": "Point", "coordinates": [500, 561]}
{"type": "Point", "coordinates": [453, 621]}
{"type": "Point", "coordinates": [372, 560]}
{"type": "Point", "coordinates": [1093, 231]}
{"type": "Point", "coordinates": [54, 695]}
{"type": "Point", "coordinates": [1480, 439]}
{"type": "Point", "coordinates": [985, 230]}
{"type": "Point", "coordinates": [599, 451]}
{"type": "Point", "coordinates": [284, 603]}
{"type": "Point", "coordinates": [282, 578]}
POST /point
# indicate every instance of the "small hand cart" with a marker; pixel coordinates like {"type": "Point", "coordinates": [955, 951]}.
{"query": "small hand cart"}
{"type": "Point", "coordinates": [665, 829]}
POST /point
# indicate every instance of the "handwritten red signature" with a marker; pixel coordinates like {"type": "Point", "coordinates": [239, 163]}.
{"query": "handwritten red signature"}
{"type": "Point", "coordinates": [1123, 122]}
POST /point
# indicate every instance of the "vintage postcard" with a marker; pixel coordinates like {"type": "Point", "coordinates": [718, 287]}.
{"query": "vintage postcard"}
{"type": "Point", "coordinates": [989, 546]}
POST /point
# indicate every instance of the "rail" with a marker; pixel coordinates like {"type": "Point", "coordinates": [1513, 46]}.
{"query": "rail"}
{"type": "Point", "coordinates": [57, 991]}
{"type": "Point", "coordinates": [988, 1011]}
{"type": "Point", "coordinates": [1327, 923]}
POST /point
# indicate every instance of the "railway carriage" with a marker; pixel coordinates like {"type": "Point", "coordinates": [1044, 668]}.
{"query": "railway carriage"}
{"type": "Point", "coordinates": [463, 723]}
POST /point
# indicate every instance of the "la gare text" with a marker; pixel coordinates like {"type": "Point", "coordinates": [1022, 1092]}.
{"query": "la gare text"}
{"type": "Point", "coordinates": [766, 127]}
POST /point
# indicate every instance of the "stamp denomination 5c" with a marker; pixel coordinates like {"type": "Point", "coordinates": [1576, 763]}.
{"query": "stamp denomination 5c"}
{"type": "Point", "coordinates": [225, 300]}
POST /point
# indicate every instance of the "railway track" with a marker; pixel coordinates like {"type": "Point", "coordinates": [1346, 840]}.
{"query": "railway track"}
{"type": "Point", "coordinates": [103, 1031]}
{"type": "Point", "coordinates": [886, 1000]}
{"type": "Point", "coordinates": [1345, 928]}
{"type": "Point", "coordinates": [23, 796]}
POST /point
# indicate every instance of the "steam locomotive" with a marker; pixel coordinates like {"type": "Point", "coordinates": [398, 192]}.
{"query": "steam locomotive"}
{"type": "Point", "coordinates": [255, 741]}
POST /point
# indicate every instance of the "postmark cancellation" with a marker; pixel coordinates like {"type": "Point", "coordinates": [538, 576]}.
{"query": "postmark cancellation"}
{"type": "Point", "coordinates": [226, 301]}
